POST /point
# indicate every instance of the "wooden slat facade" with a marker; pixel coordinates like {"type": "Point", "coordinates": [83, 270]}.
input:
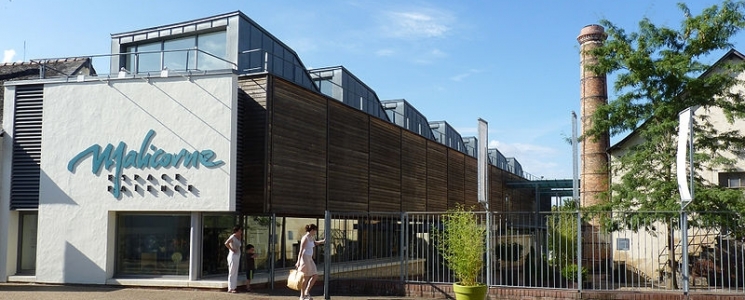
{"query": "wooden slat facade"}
{"type": "Point", "coordinates": [385, 166]}
{"type": "Point", "coordinates": [251, 162]}
{"type": "Point", "coordinates": [309, 153]}
{"type": "Point", "coordinates": [437, 173]}
{"type": "Point", "coordinates": [471, 175]}
{"type": "Point", "coordinates": [496, 189]}
{"type": "Point", "coordinates": [456, 178]}
{"type": "Point", "coordinates": [297, 158]}
{"type": "Point", "coordinates": [413, 172]}
{"type": "Point", "coordinates": [349, 156]}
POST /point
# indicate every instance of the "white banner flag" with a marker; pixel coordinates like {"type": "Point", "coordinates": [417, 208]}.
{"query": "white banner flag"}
{"type": "Point", "coordinates": [483, 186]}
{"type": "Point", "coordinates": [684, 133]}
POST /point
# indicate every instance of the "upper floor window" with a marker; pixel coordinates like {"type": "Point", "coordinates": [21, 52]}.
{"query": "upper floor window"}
{"type": "Point", "coordinates": [325, 85]}
{"type": "Point", "coordinates": [180, 54]}
{"type": "Point", "coordinates": [732, 180]}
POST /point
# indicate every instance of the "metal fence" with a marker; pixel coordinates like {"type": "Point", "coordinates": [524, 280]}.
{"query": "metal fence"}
{"type": "Point", "coordinates": [619, 250]}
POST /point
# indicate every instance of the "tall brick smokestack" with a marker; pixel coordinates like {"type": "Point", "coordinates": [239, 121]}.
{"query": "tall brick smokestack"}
{"type": "Point", "coordinates": [594, 171]}
{"type": "Point", "coordinates": [593, 93]}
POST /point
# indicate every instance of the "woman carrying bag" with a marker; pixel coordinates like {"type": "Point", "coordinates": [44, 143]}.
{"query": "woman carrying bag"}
{"type": "Point", "coordinates": [305, 263]}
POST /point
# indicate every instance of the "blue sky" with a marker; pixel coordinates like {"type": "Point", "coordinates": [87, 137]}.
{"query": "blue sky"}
{"type": "Point", "coordinates": [514, 64]}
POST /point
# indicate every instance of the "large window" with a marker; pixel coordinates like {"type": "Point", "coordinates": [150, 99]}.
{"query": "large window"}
{"type": "Point", "coordinates": [180, 54]}
{"type": "Point", "coordinates": [176, 59]}
{"type": "Point", "coordinates": [212, 52]}
{"type": "Point", "coordinates": [152, 245]}
{"type": "Point", "coordinates": [217, 229]}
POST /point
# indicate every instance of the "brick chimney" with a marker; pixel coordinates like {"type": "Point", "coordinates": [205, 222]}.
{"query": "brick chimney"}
{"type": "Point", "coordinates": [594, 175]}
{"type": "Point", "coordinates": [593, 93]}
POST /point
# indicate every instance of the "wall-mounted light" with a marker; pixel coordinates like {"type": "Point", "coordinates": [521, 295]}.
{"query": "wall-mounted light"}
{"type": "Point", "coordinates": [150, 177]}
{"type": "Point", "coordinates": [163, 188]}
{"type": "Point", "coordinates": [178, 177]}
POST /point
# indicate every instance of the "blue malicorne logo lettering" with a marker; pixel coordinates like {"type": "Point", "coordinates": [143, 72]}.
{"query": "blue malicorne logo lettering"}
{"type": "Point", "coordinates": [119, 158]}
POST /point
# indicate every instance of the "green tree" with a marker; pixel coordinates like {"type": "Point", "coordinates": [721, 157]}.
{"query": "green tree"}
{"type": "Point", "coordinates": [562, 236]}
{"type": "Point", "coordinates": [660, 72]}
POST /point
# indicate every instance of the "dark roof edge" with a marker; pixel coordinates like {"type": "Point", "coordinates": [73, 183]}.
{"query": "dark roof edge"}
{"type": "Point", "coordinates": [407, 104]}
{"type": "Point", "coordinates": [346, 71]}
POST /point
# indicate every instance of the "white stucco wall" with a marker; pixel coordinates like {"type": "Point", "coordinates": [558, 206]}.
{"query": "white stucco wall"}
{"type": "Point", "coordinates": [7, 253]}
{"type": "Point", "coordinates": [75, 205]}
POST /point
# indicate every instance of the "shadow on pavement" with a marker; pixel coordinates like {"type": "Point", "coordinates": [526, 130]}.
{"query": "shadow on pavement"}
{"type": "Point", "coordinates": [33, 287]}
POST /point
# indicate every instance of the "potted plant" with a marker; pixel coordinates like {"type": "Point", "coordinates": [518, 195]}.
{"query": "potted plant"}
{"type": "Point", "coordinates": [462, 246]}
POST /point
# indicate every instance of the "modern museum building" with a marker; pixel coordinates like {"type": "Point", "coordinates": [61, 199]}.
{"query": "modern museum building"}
{"type": "Point", "coordinates": [139, 174]}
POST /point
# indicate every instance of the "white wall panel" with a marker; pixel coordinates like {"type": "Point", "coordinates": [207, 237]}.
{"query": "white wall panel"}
{"type": "Point", "coordinates": [75, 207]}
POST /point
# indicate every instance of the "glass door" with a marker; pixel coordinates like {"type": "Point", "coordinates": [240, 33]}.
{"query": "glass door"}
{"type": "Point", "coordinates": [27, 242]}
{"type": "Point", "coordinates": [217, 229]}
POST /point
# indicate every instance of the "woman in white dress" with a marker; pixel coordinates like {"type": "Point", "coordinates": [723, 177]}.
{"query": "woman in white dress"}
{"type": "Point", "coordinates": [233, 243]}
{"type": "Point", "coordinates": [305, 262]}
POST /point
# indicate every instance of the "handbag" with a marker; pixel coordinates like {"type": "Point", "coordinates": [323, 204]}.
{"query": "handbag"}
{"type": "Point", "coordinates": [294, 279]}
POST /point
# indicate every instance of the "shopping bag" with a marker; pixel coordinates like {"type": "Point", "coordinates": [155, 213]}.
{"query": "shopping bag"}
{"type": "Point", "coordinates": [294, 279]}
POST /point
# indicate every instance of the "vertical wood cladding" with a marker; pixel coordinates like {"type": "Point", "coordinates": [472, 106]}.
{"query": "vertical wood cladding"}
{"type": "Point", "coordinates": [251, 158]}
{"type": "Point", "coordinates": [349, 153]}
{"type": "Point", "coordinates": [413, 172]}
{"type": "Point", "coordinates": [456, 178]}
{"type": "Point", "coordinates": [471, 175]}
{"type": "Point", "coordinates": [437, 172]}
{"type": "Point", "coordinates": [298, 150]}
{"type": "Point", "coordinates": [495, 191]}
{"type": "Point", "coordinates": [385, 166]}
{"type": "Point", "coordinates": [307, 153]}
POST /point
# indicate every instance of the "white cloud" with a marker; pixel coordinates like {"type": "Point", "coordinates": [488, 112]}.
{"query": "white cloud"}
{"type": "Point", "coordinates": [464, 75]}
{"type": "Point", "coordinates": [460, 77]}
{"type": "Point", "coordinates": [427, 23]}
{"type": "Point", "coordinates": [430, 57]}
{"type": "Point", "coordinates": [437, 53]}
{"type": "Point", "coordinates": [385, 52]}
{"type": "Point", "coordinates": [8, 55]}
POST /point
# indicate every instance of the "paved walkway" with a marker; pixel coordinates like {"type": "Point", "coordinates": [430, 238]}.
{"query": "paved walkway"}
{"type": "Point", "coordinates": [29, 291]}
